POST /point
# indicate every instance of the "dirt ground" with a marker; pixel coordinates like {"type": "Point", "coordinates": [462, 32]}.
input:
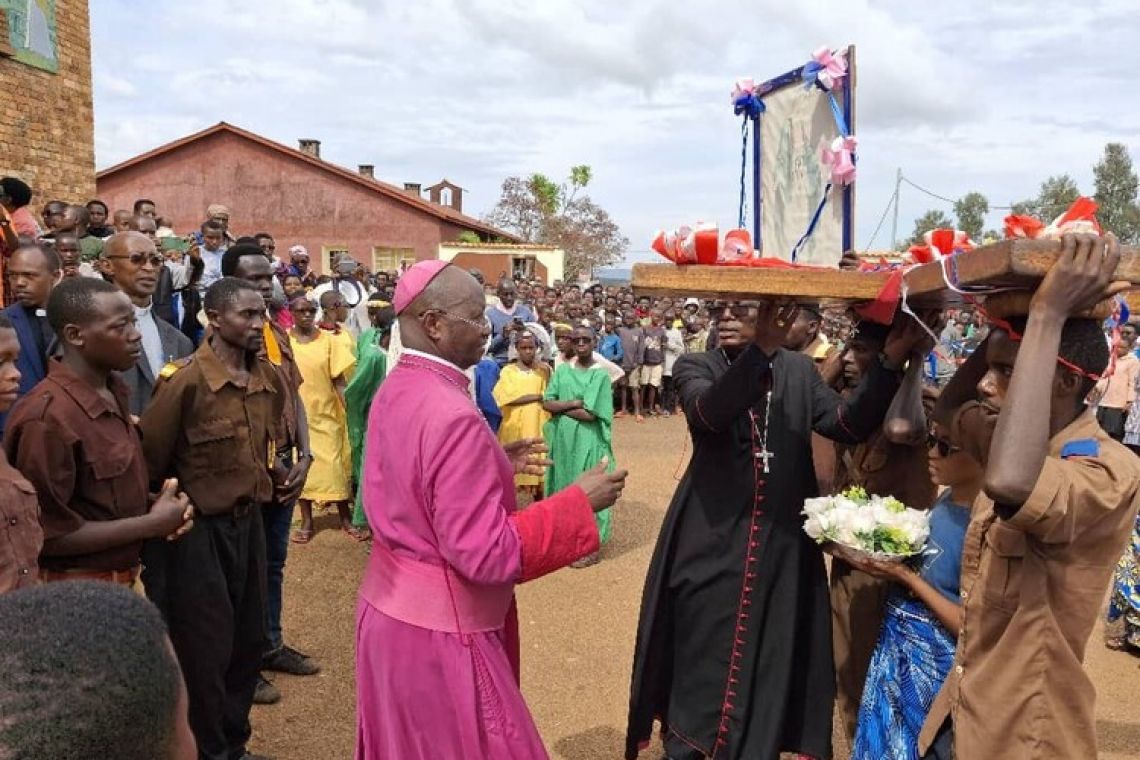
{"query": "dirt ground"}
{"type": "Point", "coordinates": [577, 633]}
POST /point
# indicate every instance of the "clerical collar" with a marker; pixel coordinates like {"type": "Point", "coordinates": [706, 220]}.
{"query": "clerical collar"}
{"type": "Point", "coordinates": [143, 311]}
{"type": "Point", "coordinates": [432, 358]}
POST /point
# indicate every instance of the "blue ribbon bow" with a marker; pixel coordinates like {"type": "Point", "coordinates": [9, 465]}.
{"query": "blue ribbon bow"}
{"type": "Point", "coordinates": [749, 105]}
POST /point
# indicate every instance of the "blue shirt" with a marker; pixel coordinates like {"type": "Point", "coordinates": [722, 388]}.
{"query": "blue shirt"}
{"type": "Point", "coordinates": [942, 561]}
{"type": "Point", "coordinates": [486, 377]}
{"type": "Point", "coordinates": [500, 338]}
{"type": "Point", "coordinates": [610, 347]}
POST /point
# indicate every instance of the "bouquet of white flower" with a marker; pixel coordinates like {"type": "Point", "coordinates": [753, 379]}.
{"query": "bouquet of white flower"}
{"type": "Point", "coordinates": [877, 527]}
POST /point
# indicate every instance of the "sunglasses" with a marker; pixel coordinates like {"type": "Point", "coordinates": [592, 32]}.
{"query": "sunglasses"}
{"type": "Point", "coordinates": [738, 310]}
{"type": "Point", "coordinates": [945, 448]}
{"type": "Point", "coordinates": [138, 259]}
{"type": "Point", "coordinates": [582, 341]}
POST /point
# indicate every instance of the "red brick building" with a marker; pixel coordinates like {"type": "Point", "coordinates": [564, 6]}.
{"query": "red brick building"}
{"type": "Point", "coordinates": [293, 195]}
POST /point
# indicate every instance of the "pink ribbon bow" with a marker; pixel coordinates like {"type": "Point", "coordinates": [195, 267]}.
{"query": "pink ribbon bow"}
{"type": "Point", "coordinates": [743, 88]}
{"type": "Point", "coordinates": [838, 160]}
{"type": "Point", "coordinates": [833, 66]}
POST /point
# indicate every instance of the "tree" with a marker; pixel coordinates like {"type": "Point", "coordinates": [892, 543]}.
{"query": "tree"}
{"type": "Point", "coordinates": [1116, 187]}
{"type": "Point", "coordinates": [931, 220]}
{"type": "Point", "coordinates": [971, 210]}
{"type": "Point", "coordinates": [1024, 208]}
{"type": "Point", "coordinates": [1055, 196]}
{"type": "Point", "coordinates": [541, 211]}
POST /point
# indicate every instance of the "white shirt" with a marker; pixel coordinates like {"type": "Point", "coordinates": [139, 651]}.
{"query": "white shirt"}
{"type": "Point", "coordinates": [151, 340]}
{"type": "Point", "coordinates": [211, 269]}
{"type": "Point", "coordinates": [358, 320]}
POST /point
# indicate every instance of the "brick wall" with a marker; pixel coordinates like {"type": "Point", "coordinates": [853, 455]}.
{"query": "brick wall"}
{"type": "Point", "coordinates": [46, 119]}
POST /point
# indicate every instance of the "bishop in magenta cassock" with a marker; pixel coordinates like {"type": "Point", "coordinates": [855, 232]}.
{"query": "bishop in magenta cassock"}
{"type": "Point", "coordinates": [437, 649]}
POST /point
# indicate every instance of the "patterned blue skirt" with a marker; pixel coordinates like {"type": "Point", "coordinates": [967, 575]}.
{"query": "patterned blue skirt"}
{"type": "Point", "coordinates": [1124, 604]}
{"type": "Point", "coordinates": [911, 661]}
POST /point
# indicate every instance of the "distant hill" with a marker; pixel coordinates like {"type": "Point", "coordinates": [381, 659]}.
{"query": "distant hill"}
{"type": "Point", "coordinates": [619, 275]}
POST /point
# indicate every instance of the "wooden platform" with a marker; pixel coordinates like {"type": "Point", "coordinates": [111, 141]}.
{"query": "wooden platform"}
{"type": "Point", "coordinates": [744, 283]}
{"type": "Point", "coordinates": [1009, 263]}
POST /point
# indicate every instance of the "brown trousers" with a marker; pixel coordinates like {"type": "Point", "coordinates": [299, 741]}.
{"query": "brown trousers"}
{"type": "Point", "coordinates": [857, 608]}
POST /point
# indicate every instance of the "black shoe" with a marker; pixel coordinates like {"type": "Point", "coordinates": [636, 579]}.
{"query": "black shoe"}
{"type": "Point", "coordinates": [266, 693]}
{"type": "Point", "coordinates": [286, 659]}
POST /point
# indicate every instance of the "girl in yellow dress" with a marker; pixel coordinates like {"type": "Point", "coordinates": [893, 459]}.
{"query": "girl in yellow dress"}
{"type": "Point", "coordinates": [325, 363]}
{"type": "Point", "coordinates": [519, 395]}
{"type": "Point", "coordinates": [334, 312]}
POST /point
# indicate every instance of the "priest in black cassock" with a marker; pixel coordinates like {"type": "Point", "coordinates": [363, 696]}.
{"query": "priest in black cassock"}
{"type": "Point", "coordinates": [733, 651]}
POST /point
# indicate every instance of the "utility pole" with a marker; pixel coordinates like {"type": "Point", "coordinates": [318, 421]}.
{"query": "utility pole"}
{"type": "Point", "coordinates": [895, 223]}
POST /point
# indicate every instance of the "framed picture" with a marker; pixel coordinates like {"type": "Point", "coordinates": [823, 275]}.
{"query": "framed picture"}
{"type": "Point", "coordinates": [796, 123]}
{"type": "Point", "coordinates": [32, 37]}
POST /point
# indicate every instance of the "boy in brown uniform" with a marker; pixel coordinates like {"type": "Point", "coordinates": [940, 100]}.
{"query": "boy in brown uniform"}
{"type": "Point", "coordinates": [72, 437]}
{"type": "Point", "coordinates": [211, 423]}
{"type": "Point", "coordinates": [248, 262]}
{"type": "Point", "coordinates": [1059, 504]}
{"type": "Point", "coordinates": [21, 537]}
{"type": "Point", "coordinates": [883, 467]}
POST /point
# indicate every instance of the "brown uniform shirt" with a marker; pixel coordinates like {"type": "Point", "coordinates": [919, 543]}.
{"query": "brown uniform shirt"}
{"type": "Point", "coordinates": [285, 432]}
{"type": "Point", "coordinates": [21, 536]}
{"type": "Point", "coordinates": [1032, 587]}
{"type": "Point", "coordinates": [213, 435]}
{"type": "Point", "coordinates": [83, 455]}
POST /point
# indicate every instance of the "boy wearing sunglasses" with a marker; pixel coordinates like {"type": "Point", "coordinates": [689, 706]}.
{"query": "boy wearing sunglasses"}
{"type": "Point", "coordinates": [923, 612]}
{"type": "Point", "coordinates": [1060, 499]}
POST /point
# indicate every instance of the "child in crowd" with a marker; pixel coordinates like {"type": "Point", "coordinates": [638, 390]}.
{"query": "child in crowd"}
{"type": "Point", "coordinates": [923, 613]}
{"type": "Point", "coordinates": [674, 347]}
{"type": "Point", "coordinates": [652, 372]}
{"type": "Point", "coordinates": [519, 395]}
{"type": "Point", "coordinates": [632, 339]}
{"type": "Point", "coordinates": [580, 398]}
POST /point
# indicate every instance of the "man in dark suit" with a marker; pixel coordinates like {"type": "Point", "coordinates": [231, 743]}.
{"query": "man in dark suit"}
{"type": "Point", "coordinates": [33, 271]}
{"type": "Point", "coordinates": [131, 261]}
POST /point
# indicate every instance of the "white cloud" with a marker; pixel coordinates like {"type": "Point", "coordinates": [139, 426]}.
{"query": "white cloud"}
{"type": "Point", "coordinates": [974, 95]}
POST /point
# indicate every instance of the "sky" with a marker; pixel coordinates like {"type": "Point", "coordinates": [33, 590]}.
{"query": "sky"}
{"type": "Point", "coordinates": [962, 96]}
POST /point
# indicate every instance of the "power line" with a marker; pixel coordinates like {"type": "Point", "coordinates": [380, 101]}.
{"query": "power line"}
{"type": "Point", "coordinates": [931, 193]}
{"type": "Point", "coordinates": [892, 202]}
{"type": "Point", "coordinates": [1058, 207]}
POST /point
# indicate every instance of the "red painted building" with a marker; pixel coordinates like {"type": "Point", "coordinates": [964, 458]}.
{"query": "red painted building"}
{"type": "Point", "coordinates": [293, 195]}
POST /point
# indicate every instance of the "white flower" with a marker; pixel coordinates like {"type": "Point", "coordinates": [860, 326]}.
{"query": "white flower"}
{"type": "Point", "coordinates": [840, 519]}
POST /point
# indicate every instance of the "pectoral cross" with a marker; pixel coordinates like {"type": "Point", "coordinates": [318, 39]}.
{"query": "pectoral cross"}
{"type": "Point", "coordinates": [765, 455]}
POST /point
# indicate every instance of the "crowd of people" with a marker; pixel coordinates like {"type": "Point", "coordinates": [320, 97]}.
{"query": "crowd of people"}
{"type": "Point", "coordinates": [169, 397]}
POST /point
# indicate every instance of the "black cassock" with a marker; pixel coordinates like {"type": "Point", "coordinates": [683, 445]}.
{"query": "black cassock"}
{"type": "Point", "coordinates": [734, 642]}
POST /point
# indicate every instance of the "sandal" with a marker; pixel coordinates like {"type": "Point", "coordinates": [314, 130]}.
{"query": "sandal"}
{"type": "Point", "coordinates": [301, 536]}
{"type": "Point", "coordinates": [357, 534]}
